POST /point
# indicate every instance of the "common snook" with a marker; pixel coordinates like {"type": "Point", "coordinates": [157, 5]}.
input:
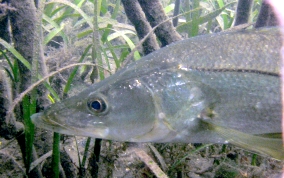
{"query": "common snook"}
{"type": "Point", "coordinates": [215, 88]}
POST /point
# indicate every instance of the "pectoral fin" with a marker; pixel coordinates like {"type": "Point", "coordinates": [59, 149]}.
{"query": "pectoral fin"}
{"type": "Point", "coordinates": [259, 143]}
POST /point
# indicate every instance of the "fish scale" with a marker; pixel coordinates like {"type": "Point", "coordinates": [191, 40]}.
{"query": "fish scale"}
{"type": "Point", "coordinates": [215, 88]}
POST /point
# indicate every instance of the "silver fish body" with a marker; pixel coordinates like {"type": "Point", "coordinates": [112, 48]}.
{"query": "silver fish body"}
{"type": "Point", "coordinates": [230, 79]}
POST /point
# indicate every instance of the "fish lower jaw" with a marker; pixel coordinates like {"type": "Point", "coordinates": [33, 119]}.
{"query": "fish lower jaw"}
{"type": "Point", "coordinates": [86, 132]}
{"type": "Point", "coordinates": [41, 121]}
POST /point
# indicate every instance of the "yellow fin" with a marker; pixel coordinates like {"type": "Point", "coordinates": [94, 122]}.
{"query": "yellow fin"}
{"type": "Point", "coordinates": [264, 143]}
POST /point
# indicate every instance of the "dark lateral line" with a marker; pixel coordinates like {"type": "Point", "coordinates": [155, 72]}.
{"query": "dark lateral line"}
{"type": "Point", "coordinates": [238, 70]}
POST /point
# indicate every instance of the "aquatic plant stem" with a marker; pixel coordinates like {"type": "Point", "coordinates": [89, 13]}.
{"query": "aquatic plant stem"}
{"type": "Point", "coordinates": [55, 155]}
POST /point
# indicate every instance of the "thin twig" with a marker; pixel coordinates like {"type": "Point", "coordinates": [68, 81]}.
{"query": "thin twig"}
{"type": "Point", "coordinates": [39, 160]}
{"type": "Point", "coordinates": [149, 162]}
{"type": "Point", "coordinates": [159, 157]}
{"type": "Point", "coordinates": [29, 89]}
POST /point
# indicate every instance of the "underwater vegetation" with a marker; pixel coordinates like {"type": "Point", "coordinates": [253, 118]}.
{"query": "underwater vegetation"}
{"type": "Point", "coordinates": [77, 65]}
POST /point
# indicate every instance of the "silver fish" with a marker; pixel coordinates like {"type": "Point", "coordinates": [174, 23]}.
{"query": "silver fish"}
{"type": "Point", "coordinates": [217, 88]}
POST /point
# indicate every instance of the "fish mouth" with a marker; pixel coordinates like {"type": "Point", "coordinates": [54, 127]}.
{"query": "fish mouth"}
{"type": "Point", "coordinates": [41, 121]}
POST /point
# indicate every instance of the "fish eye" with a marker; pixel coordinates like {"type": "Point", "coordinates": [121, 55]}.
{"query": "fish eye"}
{"type": "Point", "coordinates": [97, 105]}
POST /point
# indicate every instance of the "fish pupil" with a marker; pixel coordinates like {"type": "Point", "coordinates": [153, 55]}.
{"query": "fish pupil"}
{"type": "Point", "coordinates": [98, 105]}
